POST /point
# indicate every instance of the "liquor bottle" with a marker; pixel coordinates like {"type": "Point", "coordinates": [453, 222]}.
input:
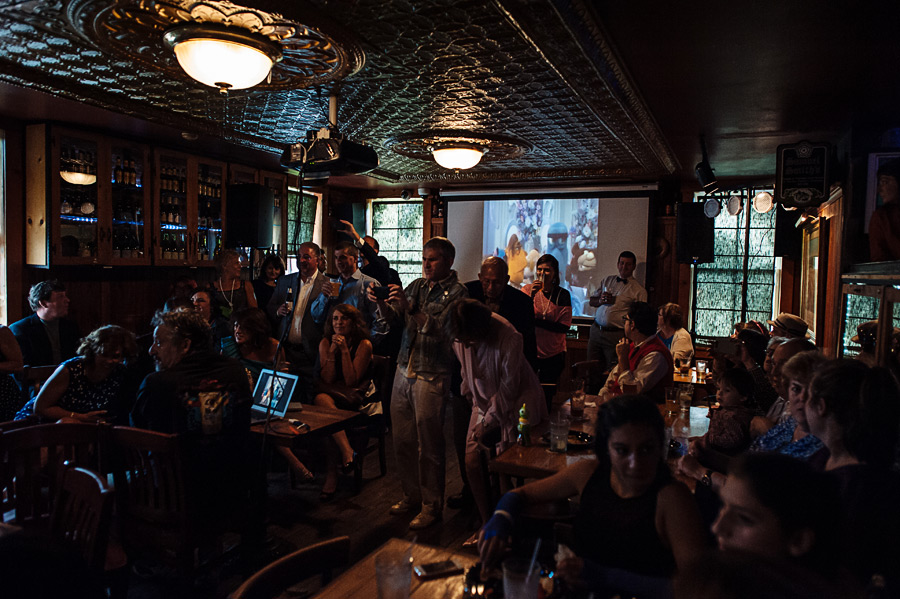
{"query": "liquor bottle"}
{"type": "Point", "coordinates": [182, 253]}
{"type": "Point", "coordinates": [289, 300]}
{"type": "Point", "coordinates": [117, 172]}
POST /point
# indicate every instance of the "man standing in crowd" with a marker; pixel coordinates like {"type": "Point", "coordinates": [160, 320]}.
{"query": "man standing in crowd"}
{"type": "Point", "coordinates": [47, 336]}
{"type": "Point", "coordinates": [614, 296]}
{"type": "Point", "coordinates": [302, 321]}
{"type": "Point", "coordinates": [352, 288]}
{"type": "Point", "coordinates": [374, 265]}
{"type": "Point", "coordinates": [788, 326]}
{"type": "Point", "coordinates": [422, 382]}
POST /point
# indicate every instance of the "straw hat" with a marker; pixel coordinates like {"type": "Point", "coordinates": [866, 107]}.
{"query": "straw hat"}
{"type": "Point", "coordinates": [794, 325]}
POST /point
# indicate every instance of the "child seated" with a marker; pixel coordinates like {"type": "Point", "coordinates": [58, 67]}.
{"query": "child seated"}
{"type": "Point", "coordinates": [729, 424]}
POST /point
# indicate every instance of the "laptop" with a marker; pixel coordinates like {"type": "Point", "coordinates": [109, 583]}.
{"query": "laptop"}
{"type": "Point", "coordinates": [275, 389]}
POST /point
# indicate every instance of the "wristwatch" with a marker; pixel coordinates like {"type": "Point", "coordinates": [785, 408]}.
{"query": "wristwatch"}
{"type": "Point", "coordinates": [706, 479]}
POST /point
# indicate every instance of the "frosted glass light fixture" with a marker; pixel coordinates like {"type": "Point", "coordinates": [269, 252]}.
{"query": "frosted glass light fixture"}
{"type": "Point", "coordinates": [457, 158]}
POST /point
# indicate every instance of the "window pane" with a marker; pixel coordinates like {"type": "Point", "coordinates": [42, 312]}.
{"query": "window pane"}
{"type": "Point", "coordinates": [301, 219]}
{"type": "Point", "coordinates": [398, 228]}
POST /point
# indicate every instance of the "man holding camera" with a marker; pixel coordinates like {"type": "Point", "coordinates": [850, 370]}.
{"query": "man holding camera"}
{"type": "Point", "coordinates": [422, 383]}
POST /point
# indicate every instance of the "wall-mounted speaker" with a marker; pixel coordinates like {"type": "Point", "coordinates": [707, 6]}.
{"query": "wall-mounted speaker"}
{"type": "Point", "coordinates": [694, 234]}
{"type": "Point", "coordinates": [248, 216]}
{"type": "Point", "coordinates": [788, 238]}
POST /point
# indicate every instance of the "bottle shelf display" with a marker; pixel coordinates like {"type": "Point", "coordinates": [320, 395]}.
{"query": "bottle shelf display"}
{"type": "Point", "coordinates": [85, 199]}
{"type": "Point", "coordinates": [189, 209]}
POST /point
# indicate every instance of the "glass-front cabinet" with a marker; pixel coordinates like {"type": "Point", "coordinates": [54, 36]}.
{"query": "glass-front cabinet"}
{"type": "Point", "coordinates": [188, 209]}
{"type": "Point", "coordinates": [277, 182]}
{"type": "Point", "coordinates": [86, 199]}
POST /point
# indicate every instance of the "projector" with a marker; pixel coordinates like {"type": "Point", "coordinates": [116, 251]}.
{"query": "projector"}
{"type": "Point", "coordinates": [326, 152]}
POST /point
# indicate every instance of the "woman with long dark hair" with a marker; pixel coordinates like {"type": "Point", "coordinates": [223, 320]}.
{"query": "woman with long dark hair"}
{"type": "Point", "coordinates": [552, 319]}
{"type": "Point", "coordinates": [635, 525]}
{"type": "Point", "coordinates": [252, 343]}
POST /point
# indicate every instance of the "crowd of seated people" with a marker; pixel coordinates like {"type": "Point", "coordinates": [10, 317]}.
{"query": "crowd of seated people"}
{"type": "Point", "coordinates": [799, 460]}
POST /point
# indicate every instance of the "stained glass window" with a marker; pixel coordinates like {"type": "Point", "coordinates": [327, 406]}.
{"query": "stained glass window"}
{"type": "Point", "coordinates": [397, 225]}
{"type": "Point", "coordinates": [744, 247]}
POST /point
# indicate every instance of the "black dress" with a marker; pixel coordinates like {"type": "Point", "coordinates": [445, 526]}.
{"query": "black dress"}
{"type": "Point", "coordinates": [621, 533]}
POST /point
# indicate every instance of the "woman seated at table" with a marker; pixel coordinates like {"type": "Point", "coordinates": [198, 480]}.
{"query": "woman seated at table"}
{"type": "Point", "coordinates": [855, 411]}
{"type": "Point", "coordinates": [635, 526]}
{"type": "Point", "coordinates": [345, 381]}
{"type": "Point", "coordinates": [644, 363]}
{"type": "Point", "coordinates": [252, 343]}
{"type": "Point", "coordinates": [552, 319]}
{"type": "Point", "coordinates": [88, 387]}
{"type": "Point", "coordinates": [672, 332]}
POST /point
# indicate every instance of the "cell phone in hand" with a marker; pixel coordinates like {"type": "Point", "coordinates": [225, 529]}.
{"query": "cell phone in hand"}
{"type": "Point", "coordinates": [437, 570]}
{"type": "Point", "coordinates": [382, 292]}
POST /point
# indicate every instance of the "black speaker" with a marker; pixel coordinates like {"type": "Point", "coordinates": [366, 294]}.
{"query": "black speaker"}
{"type": "Point", "coordinates": [788, 238]}
{"type": "Point", "coordinates": [248, 216]}
{"type": "Point", "coordinates": [694, 234]}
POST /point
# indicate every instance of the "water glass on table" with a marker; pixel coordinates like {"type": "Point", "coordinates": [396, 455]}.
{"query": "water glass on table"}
{"type": "Point", "coordinates": [559, 434]}
{"type": "Point", "coordinates": [517, 584]}
{"type": "Point", "coordinates": [685, 398]}
{"type": "Point", "coordinates": [577, 402]}
{"type": "Point", "coordinates": [393, 573]}
{"type": "Point", "coordinates": [671, 400]}
{"type": "Point", "coordinates": [701, 369]}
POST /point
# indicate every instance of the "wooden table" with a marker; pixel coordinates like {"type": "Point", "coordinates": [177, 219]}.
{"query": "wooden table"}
{"type": "Point", "coordinates": [321, 420]}
{"type": "Point", "coordinates": [359, 581]}
{"type": "Point", "coordinates": [537, 461]}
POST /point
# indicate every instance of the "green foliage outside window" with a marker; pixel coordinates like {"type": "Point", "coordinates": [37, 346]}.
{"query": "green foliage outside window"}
{"type": "Point", "coordinates": [301, 219]}
{"type": "Point", "coordinates": [398, 228]}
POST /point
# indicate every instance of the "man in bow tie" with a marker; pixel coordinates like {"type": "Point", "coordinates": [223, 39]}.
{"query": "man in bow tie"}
{"type": "Point", "coordinates": [612, 299]}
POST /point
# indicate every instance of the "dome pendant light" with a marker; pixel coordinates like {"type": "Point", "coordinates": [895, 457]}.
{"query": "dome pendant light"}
{"type": "Point", "coordinates": [457, 157]}
{"type": "Point", "coordinates": [223, 57]}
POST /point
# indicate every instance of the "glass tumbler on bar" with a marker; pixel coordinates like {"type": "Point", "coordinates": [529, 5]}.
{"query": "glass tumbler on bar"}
{"type": "Point", "coordinates": [559, 434]}
{"type": "Point", "coordinates": [671, 400]}
{"type": "Point", "coordinates": [685, 398]}
{"type": "Point", "coordinates": [393, 573]}
{"type": "Point", "coordinates": [701, 369]}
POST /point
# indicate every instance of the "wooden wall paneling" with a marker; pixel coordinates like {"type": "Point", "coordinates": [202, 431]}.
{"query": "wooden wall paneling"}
{"type": "Point", "coordinates": [15, 221]}
{"type": "Point", "coordinates": [663, 272]}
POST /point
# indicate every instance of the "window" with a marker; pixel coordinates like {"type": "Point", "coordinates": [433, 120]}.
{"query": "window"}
{"type": "Point", "coordinates": [740, 285]}
{"type": "Point", "coordinates": [4, 307]}
{"type": "Point", "coordinates": [302, 211]}
{"type": "Point", "coordinates": [860, 309]}
{"type": "Point", "coordinates": [397, 225]}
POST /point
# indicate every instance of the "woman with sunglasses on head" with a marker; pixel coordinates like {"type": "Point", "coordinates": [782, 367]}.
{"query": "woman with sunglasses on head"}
{"type": "Point", "coordinates": [91, 386]}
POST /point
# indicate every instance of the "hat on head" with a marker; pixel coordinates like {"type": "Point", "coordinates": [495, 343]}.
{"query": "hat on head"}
{"type": "Point", "coordinates": [865, 333]}
{"type": "Point", "coordinates": [794, 325]}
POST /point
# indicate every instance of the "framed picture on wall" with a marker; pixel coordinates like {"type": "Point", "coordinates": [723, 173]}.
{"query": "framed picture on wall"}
{"type": "Point", "coordinates": [873, 201]}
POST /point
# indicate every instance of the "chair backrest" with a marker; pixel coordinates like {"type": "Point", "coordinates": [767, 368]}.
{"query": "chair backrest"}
{"type": "Point", "coordinates": [32, 463]}
{"type": "Point", "coordinates": [33, 378]}
{"type": "Point", "coordinates": [149, 475]}
{"type": "Point", "coordinates": [320, 558]}
{"type": "Point", "coordinates": [82, 514]}
{"type": "Point", "coordinates": [383, 376]}
{"type": "Point", "coordinates": [22, 423]}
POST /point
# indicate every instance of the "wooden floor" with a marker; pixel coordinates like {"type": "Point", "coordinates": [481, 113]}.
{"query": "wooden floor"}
{"type": "Point", "coordinates": [296, 519]}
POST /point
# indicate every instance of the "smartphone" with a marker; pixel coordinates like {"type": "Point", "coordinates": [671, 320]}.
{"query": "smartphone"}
{"type": "Point", "coordinates": [727, 346]}
{"type": "Point", "coordinates": [382, 292]}
{"type": "Point", "coordinates": [437, 570]}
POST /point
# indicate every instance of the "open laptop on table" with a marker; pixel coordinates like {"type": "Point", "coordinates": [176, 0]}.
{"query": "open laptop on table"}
{"type": "Point", "coordinates": [275, 388]}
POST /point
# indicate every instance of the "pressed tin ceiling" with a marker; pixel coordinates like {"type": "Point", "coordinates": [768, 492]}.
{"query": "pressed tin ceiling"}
{"type": "Point", "coordinates": [539, 72]}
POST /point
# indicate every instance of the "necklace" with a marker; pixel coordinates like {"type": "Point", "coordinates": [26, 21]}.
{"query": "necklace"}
{"type": "Point", "coordinates": [230, 298]}
{"type": "Point", "coordinates": [548, 299]}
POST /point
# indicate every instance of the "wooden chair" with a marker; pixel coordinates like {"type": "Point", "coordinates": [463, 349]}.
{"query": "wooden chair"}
{"type": "Point", "coordinates": [14, 424]}
{"type": "Point", "coordinates": [82, 514]}
{"type": "Point", "coordinates": [291, 569]}
{"type": "Point", "coordinates": [33, 378]}
{"type": "Point", "coordinates": [151, 496]}
{"type": "Point", "coordinates": [32, 461]}
{"type": "Point", "coordinates": [374, 426]}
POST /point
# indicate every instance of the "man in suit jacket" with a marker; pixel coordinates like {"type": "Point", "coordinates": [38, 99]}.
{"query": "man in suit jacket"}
{"type": "Point", "coordinates": [301, 325]}
{"type": "Point", "coordinates": [47, 337]}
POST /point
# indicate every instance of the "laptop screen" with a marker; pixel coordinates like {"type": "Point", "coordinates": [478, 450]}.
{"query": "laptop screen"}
{"type": "Point", "coordinates": [275, 388]}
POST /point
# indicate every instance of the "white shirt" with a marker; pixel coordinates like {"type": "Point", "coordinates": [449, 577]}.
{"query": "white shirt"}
{"type": "Point", "coordinates": [300, 309]}
{"type": "Point", "coordinates": [613, 315]}
{"type": "Point", "coordinates": [650, 370]}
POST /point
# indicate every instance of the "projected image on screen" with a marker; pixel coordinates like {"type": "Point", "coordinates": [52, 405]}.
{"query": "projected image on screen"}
{"type": "Point", "coordinates": [520, 231]}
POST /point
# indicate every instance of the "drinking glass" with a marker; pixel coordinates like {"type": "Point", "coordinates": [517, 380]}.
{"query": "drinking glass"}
{"type": "Point", "coordinates": [671, 400]}
{"type": "Point", "coordinates": [559, 434]}
{"type": "Point", "coordinates": [335, 287]}
{"type": "Point", "coordinates": [393, 572]}
{"type": "Point", "coordinates": [516, 583]}
{"type": "Point", "coordinates": [685, 398]}
{"type": "Point", "coordinates": [701, 369]}
{"type": "Point", "coordinates": [577, 403]}
{"type": "Point", "coordinates": [684, 365]}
